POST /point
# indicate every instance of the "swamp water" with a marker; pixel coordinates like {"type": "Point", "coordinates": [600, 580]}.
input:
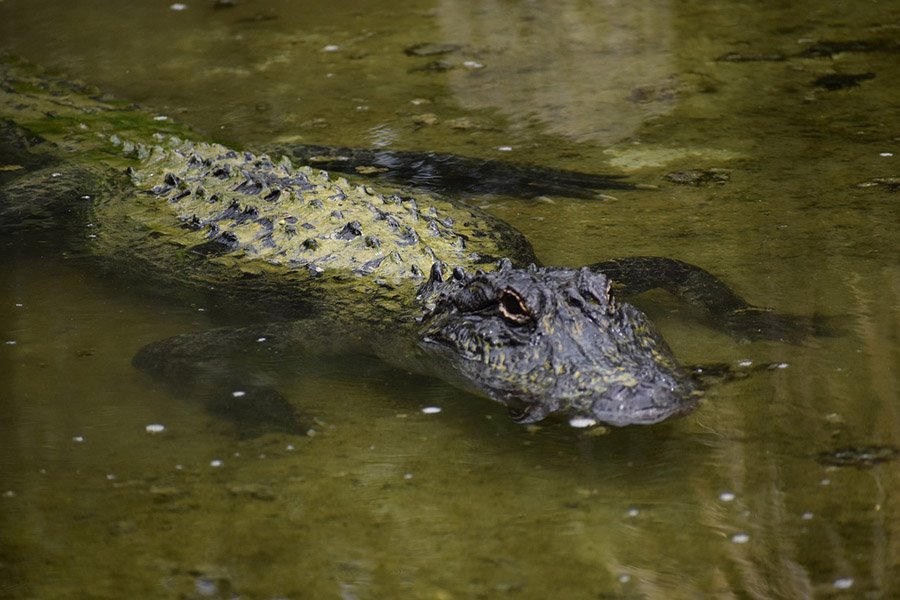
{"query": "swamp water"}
{"type": "Point", "coordinates": [798, 102]}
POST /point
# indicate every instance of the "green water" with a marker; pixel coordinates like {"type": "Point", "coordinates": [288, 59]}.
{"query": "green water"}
{"type": "Point", "coordinates": [385, 501]}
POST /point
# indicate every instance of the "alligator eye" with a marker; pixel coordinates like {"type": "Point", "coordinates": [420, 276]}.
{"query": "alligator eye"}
{"type": "Point", "coordinates": [513, 308]}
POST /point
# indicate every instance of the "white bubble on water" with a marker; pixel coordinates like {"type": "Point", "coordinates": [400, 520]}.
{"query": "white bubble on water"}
{"type": "Point", "coordinates": [843, 583]}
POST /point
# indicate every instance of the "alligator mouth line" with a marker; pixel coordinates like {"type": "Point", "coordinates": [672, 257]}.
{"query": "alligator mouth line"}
{"type": "Point", "coordinates": [650, 415]}
{"type": "Point", "coordinates": [522, 411]}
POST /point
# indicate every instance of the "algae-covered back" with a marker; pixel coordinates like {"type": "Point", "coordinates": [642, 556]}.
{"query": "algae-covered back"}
{"type": "Point", "coordinates": [254, 214]}
{"type": "Point", "coordinates": [217, 214]}
{"type": "Point", "coordinates": [78, 119]}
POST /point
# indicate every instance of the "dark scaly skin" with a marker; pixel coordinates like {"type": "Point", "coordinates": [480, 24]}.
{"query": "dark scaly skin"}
{"type": "Point", "coordinates": [286, 240]}
{"type": "Point", "coordinates": [552, 341]}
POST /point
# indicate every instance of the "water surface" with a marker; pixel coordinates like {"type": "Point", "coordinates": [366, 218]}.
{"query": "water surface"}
{"type": "Point", "coordinates": [385, 501]}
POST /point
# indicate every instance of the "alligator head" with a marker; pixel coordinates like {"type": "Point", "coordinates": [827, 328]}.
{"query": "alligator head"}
{"type": "Point", "coordinates": [551, 341]}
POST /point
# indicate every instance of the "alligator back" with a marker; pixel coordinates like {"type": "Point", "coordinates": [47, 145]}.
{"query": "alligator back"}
{"type": "Point", "coordinates": [211, 216]}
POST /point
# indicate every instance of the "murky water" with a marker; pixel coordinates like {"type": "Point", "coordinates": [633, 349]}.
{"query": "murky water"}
{"type": "Point", "coordinates": [385, 501]}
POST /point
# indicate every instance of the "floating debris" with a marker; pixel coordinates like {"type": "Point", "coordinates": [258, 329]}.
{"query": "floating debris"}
{"type": "Point", "coordinates": [841, 81]}
{"type": "Point", "coordinates": [431, 49]}
{"type": "Point", "coordinates": [740, 538]}
{"type": "Point", "coordinates": [891, 184]}
{"type": "Point", "coordinates": [436, 66]}
{"type": "Point", "coordinates": [843, 583]}
{"type": "Point", "coordinates": [431, 410]}
{"type": "Point", "coordinates": [425, 119]}
{"type": "Point", "coordinates": [834, 419]}
{"type": "Point", "coordinates": [255, 491]}
{"type": "Point", "coordinates": [727, 497]}
{"type": "Point", "coordinates": [830, 48]}
{"type": "Point", "coordinates": [698, 177]}
{"type": "Point", "coordinates": [861, 457]}
{"type": "Point", "coordinates": [155, 428]}
{"type": "Point", "coordinates": [582, 422]}
{"type": "Point", "coordinates": [741, 57]}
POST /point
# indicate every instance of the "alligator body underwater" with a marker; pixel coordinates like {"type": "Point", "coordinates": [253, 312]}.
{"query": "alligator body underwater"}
{"type": "Point", "coordinates": [426, 283]}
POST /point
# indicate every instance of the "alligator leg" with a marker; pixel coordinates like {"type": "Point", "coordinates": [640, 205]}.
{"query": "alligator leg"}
{"type": "Point", "coordinates": [701, 289]}
{"type": "Point", "coordinates": [224, 368]}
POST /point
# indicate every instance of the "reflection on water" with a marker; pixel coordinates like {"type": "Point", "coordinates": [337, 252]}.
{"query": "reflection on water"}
{"type": "Point", "coordinates": [559, 68]}
{"type": "Point", "coordinates": [385, 500]}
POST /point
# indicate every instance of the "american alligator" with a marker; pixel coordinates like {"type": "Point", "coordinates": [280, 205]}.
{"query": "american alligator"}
{"type": "Point", "coordinates": [426, 283]}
